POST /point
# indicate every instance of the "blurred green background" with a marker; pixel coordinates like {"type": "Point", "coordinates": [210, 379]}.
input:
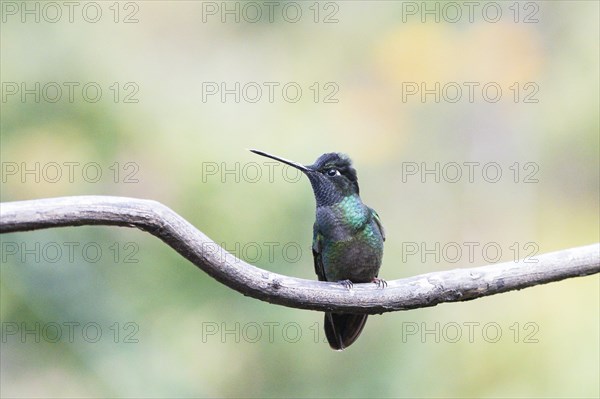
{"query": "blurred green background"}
{"type": "Point", "coordinates": [156, 133]}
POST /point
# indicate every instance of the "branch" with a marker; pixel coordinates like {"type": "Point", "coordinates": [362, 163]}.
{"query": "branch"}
{"type": "Point", "coordinates": [409, 293]}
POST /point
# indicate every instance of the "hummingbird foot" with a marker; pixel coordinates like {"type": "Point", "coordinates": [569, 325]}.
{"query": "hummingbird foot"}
{"type": "Point", "coordinates": [381, 283]}
{"type": "Point", "coordinates": [347, 284]}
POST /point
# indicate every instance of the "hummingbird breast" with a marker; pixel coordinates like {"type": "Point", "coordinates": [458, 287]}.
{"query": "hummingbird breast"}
{"type": "Point", "coordinates": [352, 244]}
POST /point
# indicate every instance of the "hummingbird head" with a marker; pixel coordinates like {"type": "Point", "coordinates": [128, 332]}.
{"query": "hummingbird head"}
{"type": "Point", "coordinates": [332, 176]}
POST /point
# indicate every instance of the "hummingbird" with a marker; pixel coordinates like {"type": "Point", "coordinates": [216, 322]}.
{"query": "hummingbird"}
{"type": "Point", "coordinates": [348, 237]}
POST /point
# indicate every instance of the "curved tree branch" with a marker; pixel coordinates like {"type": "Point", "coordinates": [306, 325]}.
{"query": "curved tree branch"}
{"type": "Point", "coordinates": [408, 293]}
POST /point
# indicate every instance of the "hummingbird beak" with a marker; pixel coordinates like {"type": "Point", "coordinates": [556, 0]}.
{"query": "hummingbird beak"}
{"type": "Point", "coordinates": [293, 164]}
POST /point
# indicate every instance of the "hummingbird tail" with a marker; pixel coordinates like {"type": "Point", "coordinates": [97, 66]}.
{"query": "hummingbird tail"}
{"type": "Point", "coordinates": [343, 329]}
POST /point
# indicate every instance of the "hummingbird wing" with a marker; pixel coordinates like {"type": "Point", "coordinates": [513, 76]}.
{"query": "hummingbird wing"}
{"type": "Point", "coordinates": [316, 250]}
{"type": "Point", "coordinates": [341, 329]}
{"type": "Point", "coordinates": [378, 222]}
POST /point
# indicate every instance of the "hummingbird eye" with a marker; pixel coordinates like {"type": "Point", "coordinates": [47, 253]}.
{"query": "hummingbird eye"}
{"type": "Point", "coordinates": [333, 172]}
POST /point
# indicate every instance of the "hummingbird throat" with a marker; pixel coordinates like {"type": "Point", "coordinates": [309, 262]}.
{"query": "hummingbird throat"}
{"type": "Point", "coordinates": [353, 211]}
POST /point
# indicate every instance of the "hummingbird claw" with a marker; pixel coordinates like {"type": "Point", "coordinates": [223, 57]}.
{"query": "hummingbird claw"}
{"type": "Point", "coordinates": [347, 284]}
{"type": "Point", "coordinates": [381, 283]}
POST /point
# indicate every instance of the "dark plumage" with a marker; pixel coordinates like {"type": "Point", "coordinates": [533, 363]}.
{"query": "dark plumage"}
{"type": "Point", "coordinates": [347, 237]}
